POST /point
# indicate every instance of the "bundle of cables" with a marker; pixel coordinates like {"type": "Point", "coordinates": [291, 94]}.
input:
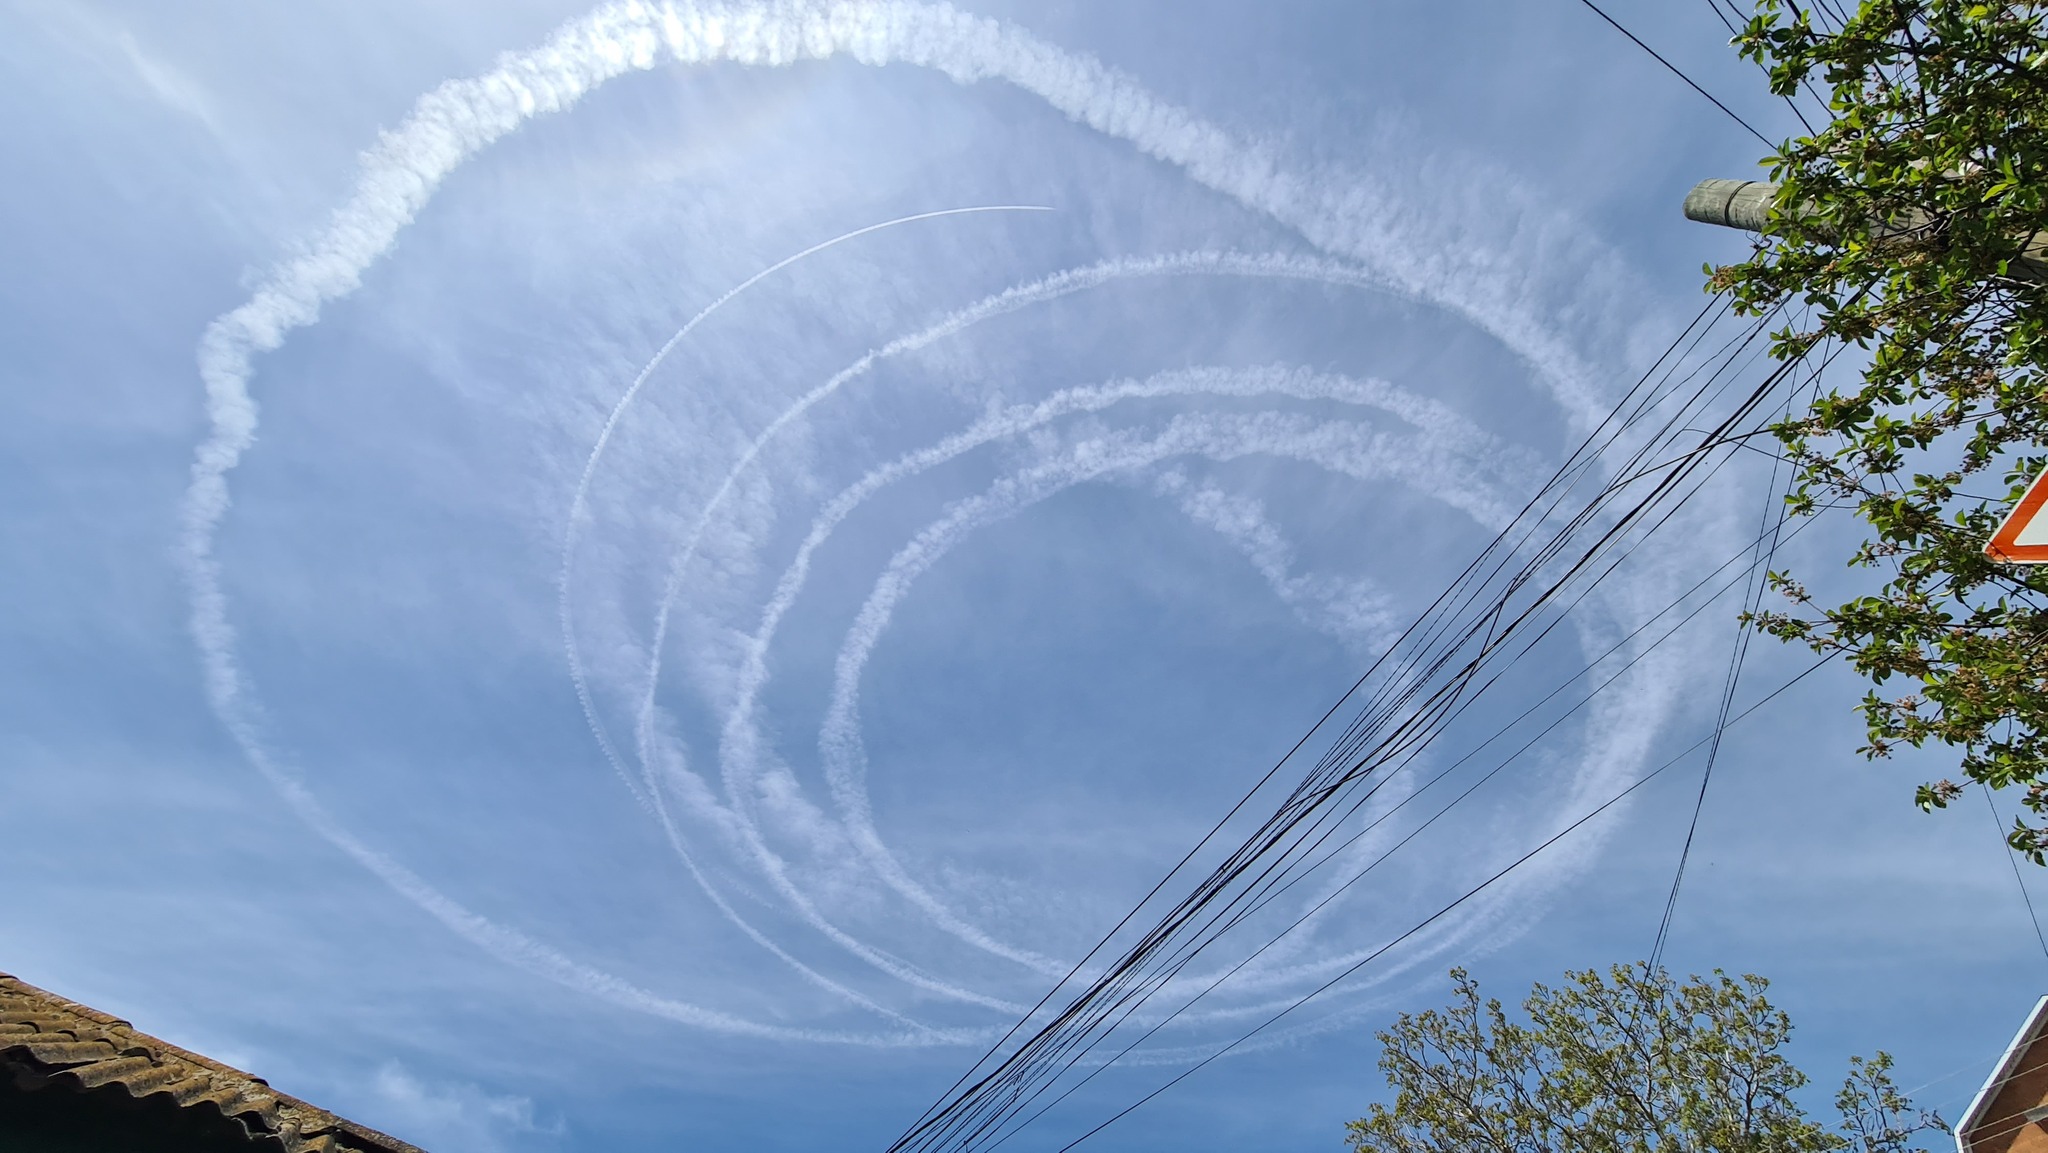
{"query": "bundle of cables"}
{"type": "Point", "coordinates": [1681, 421]}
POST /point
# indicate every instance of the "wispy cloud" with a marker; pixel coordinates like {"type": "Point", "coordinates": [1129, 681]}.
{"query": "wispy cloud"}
{"type": "Point", "coordinates": [455, 1116]}
{"type": "Point", "coordinates": [102, 37]}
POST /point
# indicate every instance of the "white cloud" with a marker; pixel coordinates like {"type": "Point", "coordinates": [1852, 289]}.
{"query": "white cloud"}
{"type": "Point", "coordinates": [455, 1116]}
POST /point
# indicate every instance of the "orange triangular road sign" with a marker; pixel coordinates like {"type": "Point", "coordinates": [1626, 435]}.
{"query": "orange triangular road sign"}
{"type": "Point", "coordinates": [2023, 538]}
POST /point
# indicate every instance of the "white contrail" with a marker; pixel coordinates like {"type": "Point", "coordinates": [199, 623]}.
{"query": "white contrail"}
{"type": "Point", "coordinates": [1424, 413]}
{"type": "Point", "coordinates": [1356, 613]}
{"type": "Point", "coordinates": [839, 732]}
{"type": "Point", "coordinates": [1295, 383]}
{"type": "Point", "coordinates": [650, 796]}
{"type": "Point", "coordinates": [681, 848]}
{"type": "Point", "coordinates": [578, 502]}
{"type": "Point", "coordinates": [839, 740]}
{"type": "Point", "coordinates": [400, 173]}
{"type": "Point", "coordinates": [1476, 447]}
{"type": "Point", "coordinates": [1222, 437]}
{"type": "Point", "coordinates": [525, 953]}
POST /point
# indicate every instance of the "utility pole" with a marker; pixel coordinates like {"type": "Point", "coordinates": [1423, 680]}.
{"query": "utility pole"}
{"type": "Point", "coordinates": [1746, 204]}
{"type": "Point", "coordinates": [1743, 204]}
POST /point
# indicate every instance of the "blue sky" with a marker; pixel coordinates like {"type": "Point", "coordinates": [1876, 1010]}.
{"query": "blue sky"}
{"type": "Point", "coordinates": [519, 737]}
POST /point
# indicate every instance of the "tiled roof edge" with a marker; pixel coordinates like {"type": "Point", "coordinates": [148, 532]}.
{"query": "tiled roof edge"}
{"type": "Point", "coordinates": [281, 1114]}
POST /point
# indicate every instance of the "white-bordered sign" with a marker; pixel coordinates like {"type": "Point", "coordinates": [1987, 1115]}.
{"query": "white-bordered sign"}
{"type": "Point", "coordinates": [2023, 538]}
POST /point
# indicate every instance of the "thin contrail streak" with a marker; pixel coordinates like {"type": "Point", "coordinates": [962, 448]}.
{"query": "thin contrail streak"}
{"type": "Point", "coordinates": [533, 957]}
{"type": "Point", "coordinates": [577, 503]}
{"type": "Point", "coordinates": [1361, 616]}
{"type": "Point", "coordinates": [650, 796]}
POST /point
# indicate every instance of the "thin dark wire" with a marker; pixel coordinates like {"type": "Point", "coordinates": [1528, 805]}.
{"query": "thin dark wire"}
{"type": "Point", "coordinates": [962, 1117]}
{"type": "Point", "coordinates": [1834, 10]}
{"type": "Point", "coordinates": [1706, 314]}
{"type": "Point", "coordinates": [1277, 886]}
{"type": "Point", "coordinates": [1275, 893]}
{"type": "Point", "coordinates": [2014, 860]}
{"type": "Point", "coordinates": [1045, 1042]}
{"type": "Point", "coordinates": [1440, 913]}
{"type": "Point", "coordinates": [1675, 71]}
{"type": "Point", "coordinates": [1399, 719]}
{"type": "Point", "coordinates": [1733, 32]}
{"type": "Point", "coordinates": [1699, 802]}
{"type": "Point", "coordinates": [989, 1100]}
{"type": "Point", "coordinates": [1752, 601]}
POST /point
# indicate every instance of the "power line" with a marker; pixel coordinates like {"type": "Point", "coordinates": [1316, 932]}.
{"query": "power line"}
{"type": "Point", "coordinates": [1998, 822]}
{"type": "Point", "coordinates": [1406, 736]}
{"type": "Point", "coordinates": [1676, 71]}
{"type": "Point", "coordinates": [1488, 619]}
{"type": "Point", "coordinates": [1046, 1044]}
{"type": "Point", "coordinates": [1524, 859]}
{"type": "Point", "coordinates": [1699, 804]}
{"type": "Point", "coordinates": [1733, 32]}
{"type": "Point", "coordinates": [1769, 531]}
{"type": "Point", "coordinates": [1424, 788]}
{"type": "Point", "coordinates": [1570, 536]}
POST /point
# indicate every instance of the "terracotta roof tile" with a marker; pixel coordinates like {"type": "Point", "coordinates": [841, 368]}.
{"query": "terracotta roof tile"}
{"type": "Point", "coordinates": [47, 1041]}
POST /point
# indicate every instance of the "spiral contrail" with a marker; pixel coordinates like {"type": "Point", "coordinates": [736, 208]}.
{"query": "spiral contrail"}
{"type": "Point", "coordinates": [1446, 475]}
{"type": "Point", "coordinates": [1352, 217]}
{"type": "Point", "coordinates": [649, 794]}
{"type": "Point", "coordinates": [836, 736]}
{"type": "Point", "coordinates": [1336, 446]}
{"type": "Point", "coordinates": [1489, 459]}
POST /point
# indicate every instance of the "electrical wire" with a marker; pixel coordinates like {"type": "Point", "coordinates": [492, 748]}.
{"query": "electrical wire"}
{"type": "Point", "coordinates": [1490, 617]}
{"type": "Point", "coordinates": [1477, 620]}
{"type": "Point", "coordinates": [1416, 794]}
{"type": "Point", "coordinates": [1049, 1049]}
{"type": "Point", "coordinates": [2012, 858]}
{"type": "Point", "coordinates": [1524, 859]}
{"type": "Point", "coordinates": [1676, 71]}
{"type": "Point", "coordinates": [1771, 532]}
{"type": "Point", "coordinates": [1734, 32]}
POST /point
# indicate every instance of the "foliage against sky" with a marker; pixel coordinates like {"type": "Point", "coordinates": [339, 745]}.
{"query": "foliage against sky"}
{"type": "Point", "coordinates": [1899, 226]}
{"type": "Point", "coordinates": [1635, 1061]}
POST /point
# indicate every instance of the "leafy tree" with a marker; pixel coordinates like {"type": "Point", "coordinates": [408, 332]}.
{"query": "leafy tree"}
{"type": "Point", "coordinates": [1635, 1063]}
{"type": "Point", "coordinates": [1911, 225]}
